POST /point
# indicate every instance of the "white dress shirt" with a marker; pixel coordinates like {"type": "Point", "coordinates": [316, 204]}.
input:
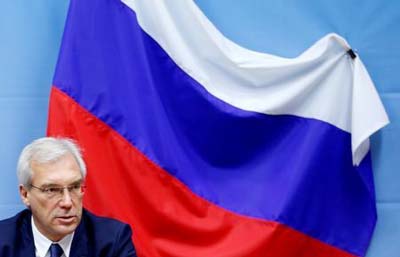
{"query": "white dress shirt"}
{"type": "Point", "coordinates": [42, 243]}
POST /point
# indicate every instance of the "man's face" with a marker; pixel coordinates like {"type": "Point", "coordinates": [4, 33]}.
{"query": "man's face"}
{"type": "Point", "coordinates": [58, 215]}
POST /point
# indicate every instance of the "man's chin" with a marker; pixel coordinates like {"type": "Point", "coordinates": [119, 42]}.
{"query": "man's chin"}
{"type": "Point", "coordinates": [59, 231]}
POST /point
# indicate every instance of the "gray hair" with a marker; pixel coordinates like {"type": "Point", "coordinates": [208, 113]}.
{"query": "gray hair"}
{"type": "Point", "coordinates": [46, 150]}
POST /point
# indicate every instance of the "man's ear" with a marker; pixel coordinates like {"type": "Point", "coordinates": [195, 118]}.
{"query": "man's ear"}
{"type": "Point", "coordinates": [23, 192]}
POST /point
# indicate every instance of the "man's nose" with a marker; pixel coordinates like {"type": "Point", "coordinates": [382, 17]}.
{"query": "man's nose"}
{"type": "Point", "coordinates": [66, 200]}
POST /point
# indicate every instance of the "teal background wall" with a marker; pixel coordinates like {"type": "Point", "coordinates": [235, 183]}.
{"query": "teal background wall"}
{"type": "Point", "coordinates": [30, 36]}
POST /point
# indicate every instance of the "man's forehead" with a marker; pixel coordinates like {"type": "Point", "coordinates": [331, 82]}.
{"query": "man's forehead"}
{"type": "Point", "coordinates": [64, 169]}
{"type": "Point", "coordinates": [42, 160]}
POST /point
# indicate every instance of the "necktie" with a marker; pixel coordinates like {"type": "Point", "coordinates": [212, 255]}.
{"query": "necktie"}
{"type": "Point", "coordinates": [56, 250]}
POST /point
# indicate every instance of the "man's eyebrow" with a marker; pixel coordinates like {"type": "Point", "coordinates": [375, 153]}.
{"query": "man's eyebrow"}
{"type": "Point", "coordinates": [79, 181]}
{"type": "Point", "coordinates": [49, 185]}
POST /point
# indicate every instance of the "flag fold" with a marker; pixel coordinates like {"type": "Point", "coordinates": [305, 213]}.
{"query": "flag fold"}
{"type": "Point", "coordinates": [210, 149]}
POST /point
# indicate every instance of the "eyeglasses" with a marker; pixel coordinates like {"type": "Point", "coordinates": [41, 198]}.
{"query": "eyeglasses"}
{"type": "Point", "coordinates": [75, 190]}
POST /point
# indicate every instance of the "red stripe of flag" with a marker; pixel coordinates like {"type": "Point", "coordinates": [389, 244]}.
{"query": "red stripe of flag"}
{"type": "Point", "coordinates": [165, 215]}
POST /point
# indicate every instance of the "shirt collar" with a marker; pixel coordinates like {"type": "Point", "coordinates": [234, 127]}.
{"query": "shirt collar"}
{"type": "Point", "coordinates": [42, 243]}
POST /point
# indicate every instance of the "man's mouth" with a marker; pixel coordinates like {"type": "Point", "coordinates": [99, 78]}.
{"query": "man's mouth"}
{"type": "Point", "coordinates": [66, 219]}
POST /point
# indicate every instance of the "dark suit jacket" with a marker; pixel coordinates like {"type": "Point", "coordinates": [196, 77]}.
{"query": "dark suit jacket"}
{"type": "Point", "coordinates": [94, 237]}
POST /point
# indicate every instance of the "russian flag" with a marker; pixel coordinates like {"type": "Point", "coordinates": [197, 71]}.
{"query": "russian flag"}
{"type": "Point", "coordinates": [210, 149]}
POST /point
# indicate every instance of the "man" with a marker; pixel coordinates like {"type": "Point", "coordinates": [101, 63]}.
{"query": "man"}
{"type": "Point", "coordinates": [51, 174]}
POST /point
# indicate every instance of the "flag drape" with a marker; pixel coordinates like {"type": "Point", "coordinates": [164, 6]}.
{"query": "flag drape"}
{"type": "Point", "coordinates": [209, 149]}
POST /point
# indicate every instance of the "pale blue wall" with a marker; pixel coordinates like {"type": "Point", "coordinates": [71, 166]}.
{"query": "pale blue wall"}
{"type": "Point", "coordinates": [30, 35]}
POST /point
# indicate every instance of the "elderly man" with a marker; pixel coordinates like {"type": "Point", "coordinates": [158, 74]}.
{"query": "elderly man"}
{"type": "Point", "coordinates": [51, 174]}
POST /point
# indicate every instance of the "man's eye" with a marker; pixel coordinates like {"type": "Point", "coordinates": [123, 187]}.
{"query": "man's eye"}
{"type": "Point", "coordinates": [74, 187]}
{"type": "Point", "coordinates": [52, 190]}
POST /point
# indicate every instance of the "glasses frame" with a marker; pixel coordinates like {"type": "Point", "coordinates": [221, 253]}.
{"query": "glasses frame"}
{"type": "Point", "coordinates": [59, 191]}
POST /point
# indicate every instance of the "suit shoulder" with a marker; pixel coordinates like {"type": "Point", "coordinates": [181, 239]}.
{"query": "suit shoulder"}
{"type": "Point", "coordinates": [15, 221]}
{"type": "Point", "coordinates": [109, 236]}
{"type": "Point", "coordinates": [9, 227]}
{"type": "Point", "coordinates": [105, 225]}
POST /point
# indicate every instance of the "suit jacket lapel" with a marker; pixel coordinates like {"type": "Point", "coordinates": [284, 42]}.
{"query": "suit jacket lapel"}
{"type": "Point", "coordinates": [27, 243]}
{"type": "Point", "coordinates": [79, 247]}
